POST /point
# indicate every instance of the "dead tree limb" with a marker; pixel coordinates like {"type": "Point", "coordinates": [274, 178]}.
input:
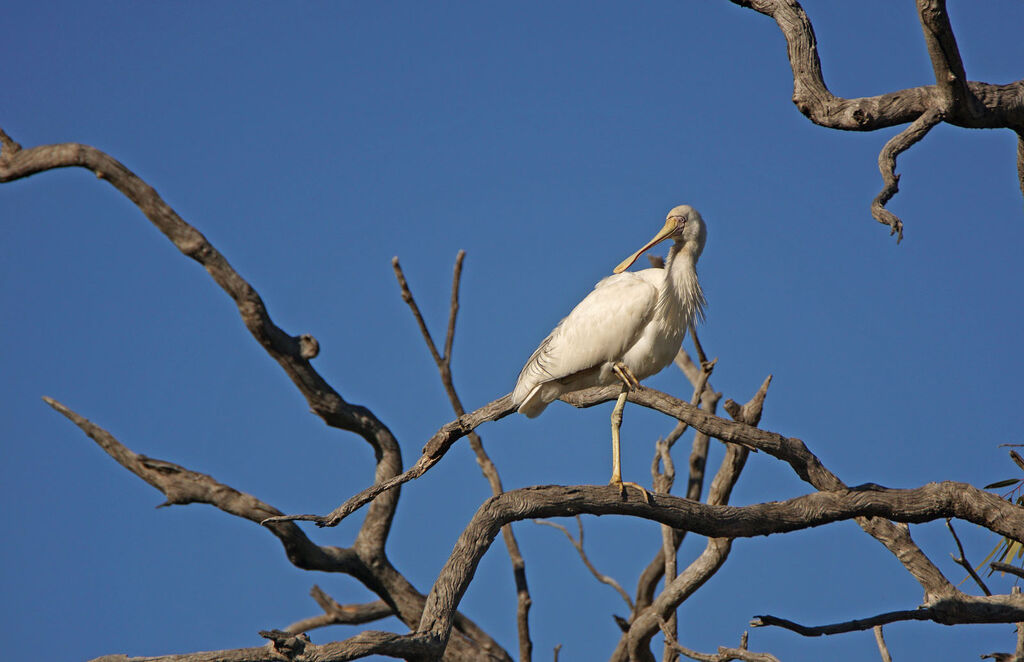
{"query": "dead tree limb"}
{"type": "Point", "coordinates": [293, 354]}
{"type": "Point", "coordinates": [487, 466]}
{"type": "Point", "coordinates": [952, 99]}
{"type": "Point", "coordinates": [336, 613]}
{"type": "Point", "coordinates": [182, 486]}
{"type": "Point", "coordinates": [635, 644]}
{"type": "Point", "coordinates": [927, 503]}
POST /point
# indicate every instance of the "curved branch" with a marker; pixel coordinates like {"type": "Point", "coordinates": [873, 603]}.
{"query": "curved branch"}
{"type": "Point", "coordinates": [956, 100]}
{"type": "Point", "coordinates": [183, 486]}
{"type": "Point", "coordinates": [926, 503]}
{"type": "Point", "coordinates": [898, 144]}
{"type": "Point", "coordinates": [607, 580]}
{"type": "Point", "coordinates": [433, 451]}
{"type": "Point", "coordinates": [791, 450]}
{"type": "Point", "coordinates": [292, 353]}
{"type": "Point", "coordinates": [1004, 104]}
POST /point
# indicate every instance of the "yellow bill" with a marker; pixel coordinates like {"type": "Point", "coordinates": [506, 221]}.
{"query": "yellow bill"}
{"type": "Point", "coordinates": [665, 233]}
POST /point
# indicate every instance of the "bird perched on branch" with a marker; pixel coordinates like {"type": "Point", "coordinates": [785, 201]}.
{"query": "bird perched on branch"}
{"type": "Point", "coordinates": [628, 328]}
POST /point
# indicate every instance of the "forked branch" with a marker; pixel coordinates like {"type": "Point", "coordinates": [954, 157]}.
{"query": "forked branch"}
{"type": "Point", "coordinates": [292, 353]}
{"type": "Point", "coordinates": [487, 466]}
{"type": "Point", "coordinates": [952, 99]}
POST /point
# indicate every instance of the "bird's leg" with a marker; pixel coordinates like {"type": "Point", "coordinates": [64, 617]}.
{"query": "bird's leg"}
{"type": "Point", "coordinates": [623, 372]}
{"type": "Point", "coordinates": [620, 404]}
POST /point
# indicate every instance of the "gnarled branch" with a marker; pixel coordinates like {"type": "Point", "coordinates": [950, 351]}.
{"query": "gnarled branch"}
{"type": "Point", "coordinates": [953, 99]}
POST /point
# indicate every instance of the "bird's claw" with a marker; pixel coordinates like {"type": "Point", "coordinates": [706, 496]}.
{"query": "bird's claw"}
{"type": "Point", "coordinates": [622, 488]}
{"type": "Point", "coordinates": [623, 372]}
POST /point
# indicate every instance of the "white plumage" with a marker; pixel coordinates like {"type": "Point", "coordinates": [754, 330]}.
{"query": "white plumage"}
{"type": "Point", "coordinates": [637, 318]}
{"type": "Point", "coordinates": [631, 323]}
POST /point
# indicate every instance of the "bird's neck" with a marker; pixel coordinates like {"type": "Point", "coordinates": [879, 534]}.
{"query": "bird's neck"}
{"type": "Point", "coordinates": [681, 287]}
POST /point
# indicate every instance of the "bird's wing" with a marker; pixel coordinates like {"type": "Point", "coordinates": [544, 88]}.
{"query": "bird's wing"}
{"type": "Point", "coordinates": [599, 329]}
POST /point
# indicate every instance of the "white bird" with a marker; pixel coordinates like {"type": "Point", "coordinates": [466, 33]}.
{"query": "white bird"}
{"type": "Point", "coordinates": [628, 328]}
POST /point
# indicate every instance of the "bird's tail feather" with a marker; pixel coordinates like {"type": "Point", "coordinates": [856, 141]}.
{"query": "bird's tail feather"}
{"type": "Point", "coordinates": [534, 403]}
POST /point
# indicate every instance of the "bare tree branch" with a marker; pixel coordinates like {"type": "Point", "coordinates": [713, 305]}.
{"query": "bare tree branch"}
{"type": "Point", "coordinates": [954, 99]}
{"type": "Point", "coordinates": [1018, 654]}
{"type": "Point", "coordinates": [883, 650]}
{"type": "Point", "coordinates": [487, 466]}
{"type": "Point", "coordinates": [183, 486]}
{"type": "Point", "coordinates": [809, 468]}
{"type": "Point", "coordinates": [948, 611]}
{"type": "Point", "coordinates": [664, 479]}
{"type": "Point", "coordinates": [336, 613]}
{"type": "Point", "coordinates": [636, 642]}
{"type": "Point", "coordinates": [1006, 567]}
{"type": "Point", "coordinates": [812, 97]}
{"type": "Point", "coordinates": [898, 144]}
{"type": "Point", "coordinates": [433, 451]}
{"type": "Point", "coordinates": [848, 626]}
{"type": "Point", "coordinates": [284, 647]}
{"type": "Point", "coordinates": [926, 503]}
{"type": "Point", "coordinates": [724, 653]}
{"type": "Point", "coordinates": [293, 353]}
{"type": "Point", "coordinates": [962, 560]}
{"type": "Point", "coordinates": [652, 574]}
{"type": "Point", "coordinates": [578, 544]}
{"type": "Point", "coordinates": [1020, 160]}
{"type": "Point", "coordinates": [790, 450]}
{"type": "Point", "coordinates": [950, 78]}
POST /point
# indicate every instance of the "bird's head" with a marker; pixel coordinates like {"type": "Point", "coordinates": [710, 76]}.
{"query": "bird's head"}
{"type": "Point", "coordinates": [683, 225]}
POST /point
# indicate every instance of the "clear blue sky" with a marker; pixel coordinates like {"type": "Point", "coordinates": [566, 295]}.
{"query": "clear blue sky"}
{"type": "Point", "coordinates": [312, 142]}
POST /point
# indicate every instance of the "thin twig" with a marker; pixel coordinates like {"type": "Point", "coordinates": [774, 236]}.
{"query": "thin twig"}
{"type": "Point", "coordinates": [883, 650]}
{"type": "Point", "coordinates": [578, 544]}
{"type": "Point", "coordinates": [701, 356]}
{"type": "Point", "coordinates": [336, 613]}
{"type": "Point", "coordinates": [724, 654]}
{"type": "Point", "coordinates": [487, 466]}
{"type": "Point", "coordinates": [698, 393]}
{"type": "Point", "coordinates": [963, 559]}
{"type": "Point", "coordinates": [453, 309]}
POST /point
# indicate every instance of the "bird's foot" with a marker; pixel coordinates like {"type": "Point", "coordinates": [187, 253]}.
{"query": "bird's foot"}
{"type": "Point", "coordinates": [623, 372]}
{"type": "Point", "coordinates": [622, 488]}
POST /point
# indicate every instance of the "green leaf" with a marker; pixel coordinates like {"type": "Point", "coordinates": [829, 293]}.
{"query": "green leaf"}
{"type": "Point", "coordinates": [1002, 483]}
